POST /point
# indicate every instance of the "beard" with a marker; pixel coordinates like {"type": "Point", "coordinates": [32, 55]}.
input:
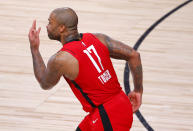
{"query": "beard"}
{"type": "Point", "coordinates": [53, 37]}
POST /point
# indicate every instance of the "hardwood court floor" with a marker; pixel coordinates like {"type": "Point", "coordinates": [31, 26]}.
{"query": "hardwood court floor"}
{"type": "Point", "coordinates": [167, 56]}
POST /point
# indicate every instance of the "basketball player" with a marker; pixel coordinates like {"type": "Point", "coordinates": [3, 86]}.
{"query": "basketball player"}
{"type": "Point", "coordinates": [84, 61]}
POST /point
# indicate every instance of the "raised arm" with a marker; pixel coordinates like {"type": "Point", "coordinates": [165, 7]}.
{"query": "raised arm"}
{"type": "Point", "coordinates": [119, 50]}
{"type": "Point", "coordinates": [58, 65]}
{"type": "Point", "coordinates": [42, 74]}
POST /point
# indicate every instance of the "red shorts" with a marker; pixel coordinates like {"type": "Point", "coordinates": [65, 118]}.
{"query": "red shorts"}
{"type": "Point", "coordinates": [116, 113]}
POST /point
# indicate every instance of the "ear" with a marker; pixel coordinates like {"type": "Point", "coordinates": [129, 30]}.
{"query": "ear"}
{"type": "Point", "coordinates": [62, 28]}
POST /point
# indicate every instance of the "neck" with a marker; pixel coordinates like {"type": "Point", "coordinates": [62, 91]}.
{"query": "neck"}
{"type": "Point", "coordinates": [73, 35]}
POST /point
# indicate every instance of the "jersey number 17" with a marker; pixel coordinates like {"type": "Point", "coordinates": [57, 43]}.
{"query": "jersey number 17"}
{"type": "Point", "coordinates": [88, 52]}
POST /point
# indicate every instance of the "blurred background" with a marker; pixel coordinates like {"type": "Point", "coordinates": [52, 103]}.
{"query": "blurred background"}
{"type": "Point", "coordinates": [167, 58]}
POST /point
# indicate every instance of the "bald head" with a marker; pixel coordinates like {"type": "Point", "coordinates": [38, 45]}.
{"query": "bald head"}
{"type": "Point", "coordinates": [66, 16]}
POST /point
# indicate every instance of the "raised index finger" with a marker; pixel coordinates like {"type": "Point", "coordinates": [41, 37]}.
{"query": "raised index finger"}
{"type": "Point", "coordinates": [34, 25]}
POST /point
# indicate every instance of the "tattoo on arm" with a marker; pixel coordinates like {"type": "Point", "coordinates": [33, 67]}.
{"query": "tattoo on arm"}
{"type": "Point", "coordinates": [46, 76]}
{"type": "Point", "coordinates": [138, 78]}
{"type": "Point", "coordinates": [137, 73]}
{"type": "Point", "coordinates": [109, 44]}
{"type": "Point", "coordinates": [117, 49]}
{"type": "Point", "coordinates": [38, 64]}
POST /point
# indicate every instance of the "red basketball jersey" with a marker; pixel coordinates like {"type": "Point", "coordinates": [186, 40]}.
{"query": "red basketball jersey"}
{"type": "Point", "coordinates": [97, 78]}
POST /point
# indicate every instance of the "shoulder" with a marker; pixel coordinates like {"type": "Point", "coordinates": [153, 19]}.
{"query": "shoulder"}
{"type": "Point", "coordinates": [103, 38]}
{"type": "Point", "coordinates": [100, 36]}
{"type": "Point", "coordinates": [61, 58]}
{"type": "Point", "coordinates": [117, 49]}
{"type": "Point", "coordinates": [65, 64]}
{"type": "Point", "coordinates": [106, 40]}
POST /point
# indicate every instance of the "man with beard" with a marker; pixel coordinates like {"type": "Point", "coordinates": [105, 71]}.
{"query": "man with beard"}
{"type": "Point", "coordinates": [84, 61]}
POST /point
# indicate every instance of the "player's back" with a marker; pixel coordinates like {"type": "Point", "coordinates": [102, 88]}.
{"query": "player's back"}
{"type": "Point", "coordinates": [96, 82]}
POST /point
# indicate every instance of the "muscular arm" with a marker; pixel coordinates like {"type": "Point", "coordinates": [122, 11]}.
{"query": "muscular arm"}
{"type": "Point", "coordinates": [46, 76]}
{"type": "Point", "coordinates": [58, 65]}
{"type": "Point", "coordinates": [62, 63]}
{"type": "Point", "coordinates": [118, 50]}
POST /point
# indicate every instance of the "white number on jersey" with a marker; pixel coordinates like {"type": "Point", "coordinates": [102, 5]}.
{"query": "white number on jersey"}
{"type": "Point", "coordinates": [88, 52]}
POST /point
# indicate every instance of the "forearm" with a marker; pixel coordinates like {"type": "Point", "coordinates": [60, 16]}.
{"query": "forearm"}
{"type": "Point", "coordinates": [137, 72]}
{"type": "Point", "coordinates": [38, 65]}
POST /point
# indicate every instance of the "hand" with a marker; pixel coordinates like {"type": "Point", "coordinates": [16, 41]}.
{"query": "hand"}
{"type": "Point", "coordinates": [34, 36]}
{"type": "Point", "coordinates": [135, 99]}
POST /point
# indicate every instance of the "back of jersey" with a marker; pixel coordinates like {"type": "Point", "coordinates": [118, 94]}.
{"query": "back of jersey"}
{"type": "Point", "coordinates": [96, 78]}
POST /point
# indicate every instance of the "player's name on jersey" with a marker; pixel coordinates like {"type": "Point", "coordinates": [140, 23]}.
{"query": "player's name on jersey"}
{"type": "Point", "coordinates": [105, 77]}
